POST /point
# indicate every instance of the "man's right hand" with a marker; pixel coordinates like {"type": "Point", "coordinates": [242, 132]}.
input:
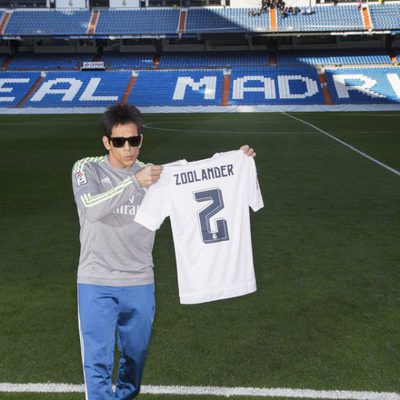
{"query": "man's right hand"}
{"type": "Point", "coordinates": [148, 175]}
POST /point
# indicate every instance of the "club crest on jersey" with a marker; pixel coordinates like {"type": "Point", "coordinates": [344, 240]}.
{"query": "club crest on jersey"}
{"type": "Point", "coordinates": [80, 178]}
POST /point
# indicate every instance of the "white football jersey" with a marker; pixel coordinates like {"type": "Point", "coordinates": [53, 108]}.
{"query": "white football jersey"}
{"type": "Point", "coordinates": [208, 204]}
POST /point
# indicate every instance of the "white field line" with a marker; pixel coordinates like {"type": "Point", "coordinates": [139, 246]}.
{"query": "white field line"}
{"type": "Point", "coordinates": [345, 144]}
{"type": "Point", "coordinates": [150, 125]}
{"type": "Point", "coordinates": [211, 391]}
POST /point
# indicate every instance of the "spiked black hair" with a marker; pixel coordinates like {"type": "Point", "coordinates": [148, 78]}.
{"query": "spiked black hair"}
{"type": "Point", "coordinates": [121, 114]}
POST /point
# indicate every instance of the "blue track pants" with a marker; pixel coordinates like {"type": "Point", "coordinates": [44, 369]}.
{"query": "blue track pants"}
{"type": "Point", "coordinates": [108, 314]}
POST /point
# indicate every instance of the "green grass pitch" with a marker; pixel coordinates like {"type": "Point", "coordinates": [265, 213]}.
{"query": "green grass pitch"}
{"type": "Point", "coordinates": [326, 248]}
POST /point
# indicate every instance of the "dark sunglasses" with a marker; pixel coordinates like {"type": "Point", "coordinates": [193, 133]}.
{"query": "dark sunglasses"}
{"type": "Point", "coordinates": [133, 141]}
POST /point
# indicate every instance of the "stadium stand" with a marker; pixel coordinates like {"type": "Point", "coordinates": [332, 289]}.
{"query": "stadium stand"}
{"type": "Point", "coordinates": [294, 85]}
{"type": "Point", "coordinates": [177, 88]}
{"type": "Point", "coordinates": [213, 59]}
{"type": "Point", "coordinates": [364, 85]}
{"type": "Point", "coordinates": [343, 17]}
{"type": "Point", "coordinates": [128, 61]}
{"type": "Point", "coordinates": [4, 20]}
{"type": "Point", "coordinates": [326, 57]}
{"type": "Point", "coordinates": [165, 21]}
{"type": "Point", "coordinates": [385, 16]}
{"type": "Point", "coordinates": [14, 86]}
{"type": "Point", "coordinates": [80, 89]}
{"type": "Point", "coordinates": [396, 53]}
{"type": "Point", "coordinates": [280, 85]}
{"type": "Point", "coordinates": [144, 21]}
{"type": "Point", "coordinates": [226, 20]}
{"type": "Point", "coordinates": [52, 22]}
{"type": "Point", "coordinates": [202, 78]}
{"type": "Point", "coordinates": [29, 61]}
{"type": "Point", "coordinates": [3, 57]}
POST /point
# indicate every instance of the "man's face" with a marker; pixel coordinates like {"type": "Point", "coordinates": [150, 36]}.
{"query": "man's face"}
{"type": "Point", "coordinates": [125, 156]}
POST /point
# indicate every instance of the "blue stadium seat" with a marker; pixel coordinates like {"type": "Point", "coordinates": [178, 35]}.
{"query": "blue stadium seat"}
{"type": "Point", "coordinates": [177, 88]}
{"type": "Point", "coordinates": [48, 22]}
{"type": "Point", "coordinates": [212, 59]}
{"type": "Point", "coordinates": [343, 17]}
{"type": "Point", "coordinates": [24, 61]}
{"type": "Point", "coordinates": [364, 85]}
{"type": "Point", "coordinates": [385, 16]}
{"type": "Point", "coordinates": [275, 86]}
{"type": "Point", "coordinates": [397, 54]}
{"type": "Point", "coordinates": [127, 61]}
{"type": "Point", "coordinates": [80, 89]}
{"type": "Point", "coordinates": [223, 20]}
{"type": "Point", "coordinates": [14, 86]}
{"type": "Point", "coordinates": [3, 58]}
{"type": "Point", "coordinates": [333, 57]}
{"type": "Point", "coordinates": [144, 21]}
{"type": "Point", "coordinates": [294, 85]}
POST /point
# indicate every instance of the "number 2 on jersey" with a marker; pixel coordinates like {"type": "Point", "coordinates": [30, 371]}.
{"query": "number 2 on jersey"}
{"type": "Point", "coordinates": [205, 215]}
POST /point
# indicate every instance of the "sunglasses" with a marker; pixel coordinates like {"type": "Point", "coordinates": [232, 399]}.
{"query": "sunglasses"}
{"type": "Point", "coordinates": [133, 141]}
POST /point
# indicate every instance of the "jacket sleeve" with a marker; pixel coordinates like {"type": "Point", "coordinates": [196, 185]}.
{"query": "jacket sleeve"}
{"type": "Point", "coordinates": [94, 202]}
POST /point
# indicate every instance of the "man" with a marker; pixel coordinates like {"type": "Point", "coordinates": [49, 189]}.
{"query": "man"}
{"type": "Point", "coordinates": [115, 274]}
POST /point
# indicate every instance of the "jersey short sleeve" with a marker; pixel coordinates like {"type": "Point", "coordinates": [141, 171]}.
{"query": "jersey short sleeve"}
{"type": "Point", "coordinates": [156, 205]}
{"type": "Point", "coordinates": [254, 193]}
{"type": "Point", "coordinates": [208, 205]}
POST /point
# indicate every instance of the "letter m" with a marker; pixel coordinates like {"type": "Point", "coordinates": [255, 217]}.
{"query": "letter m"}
{"type": "Point", "coordinates": [209, 83]}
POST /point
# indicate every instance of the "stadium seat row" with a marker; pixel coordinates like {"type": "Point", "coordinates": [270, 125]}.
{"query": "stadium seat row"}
{"type": "Point", "coordinates": [31, 61]}
{"type": "Point", "coordinates": [344, 17]}
{"type": "Point", "coordinates": [248, 86]}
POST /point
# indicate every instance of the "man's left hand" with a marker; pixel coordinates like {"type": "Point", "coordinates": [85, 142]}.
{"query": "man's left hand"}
{"type": "Point", "coordinates": [249, 151]}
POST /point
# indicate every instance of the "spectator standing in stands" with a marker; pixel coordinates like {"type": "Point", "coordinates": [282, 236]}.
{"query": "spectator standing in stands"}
{"type": "Point", "coordinates": [264, 6]}
{"type": "Point", "coordinates": [279, 5]}
{"type": "Point", "coordinates": [307, 11]}
{"type": "Point", "coordinates": [115, 274]}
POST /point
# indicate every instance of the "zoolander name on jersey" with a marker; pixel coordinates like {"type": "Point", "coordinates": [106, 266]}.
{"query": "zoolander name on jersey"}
{"type": "Point", "coordinates": [204, 174]}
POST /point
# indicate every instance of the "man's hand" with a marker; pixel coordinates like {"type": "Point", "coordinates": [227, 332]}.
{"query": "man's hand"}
{"type": "Point", "coordinates": [148, 175]}
{"type": "Point", "coordinates": [248, 150]}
